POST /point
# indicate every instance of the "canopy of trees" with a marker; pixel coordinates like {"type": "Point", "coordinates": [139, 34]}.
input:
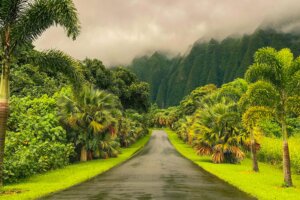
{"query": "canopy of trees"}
{"type": "Point", "coordinates": [229, 122]}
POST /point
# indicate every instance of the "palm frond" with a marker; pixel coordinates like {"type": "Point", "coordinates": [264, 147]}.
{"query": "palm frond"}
{"type": "Point", "coordinates": [260, 72]}
{"type": "Point", "coordinates": [42, 14]}
{"type": "Point", "coordinates": [11, 11]}
{"type": "Point", "coordinates": [56, 60]}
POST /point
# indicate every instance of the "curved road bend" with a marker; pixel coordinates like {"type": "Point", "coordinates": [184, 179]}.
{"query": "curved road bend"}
{"type": "Point", "coordinates": [157, 172]}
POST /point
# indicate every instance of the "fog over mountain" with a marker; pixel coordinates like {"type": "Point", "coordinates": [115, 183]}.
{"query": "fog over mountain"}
{"type": "Point", "coordinates": [116, 31]}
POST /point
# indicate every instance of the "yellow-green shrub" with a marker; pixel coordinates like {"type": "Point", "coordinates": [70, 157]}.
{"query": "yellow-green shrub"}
{"type": "Point", "coordinates": [271, 152]}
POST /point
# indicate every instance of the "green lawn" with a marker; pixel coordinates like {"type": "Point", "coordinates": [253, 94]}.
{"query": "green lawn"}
{"type": "Point", "coordinates": [264, 185]}
{"type": "Point", "coordinates": [53, 181]}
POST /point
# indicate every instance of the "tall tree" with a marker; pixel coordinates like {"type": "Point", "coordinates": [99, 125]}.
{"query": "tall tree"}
{"type": "Point", "coordinates": [255, 104]}
{"type": "Point", "coordinates": [281, 72]}
{"type": "Point", "coordinates": [21, 22]}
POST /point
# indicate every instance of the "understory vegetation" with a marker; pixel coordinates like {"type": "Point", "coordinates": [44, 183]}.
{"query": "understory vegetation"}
{"type": "Point", "coordinates": [253, 117]}
{"type": "Point", "coordinates": [265, 185]}
{"type": "Point", "coordinates": [39, 185]}
{"type": "Point", "coordinates": [52, 128]}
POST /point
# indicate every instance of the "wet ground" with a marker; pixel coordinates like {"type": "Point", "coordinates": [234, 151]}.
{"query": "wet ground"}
{"type": "Point", "coordinates": [157, 172]}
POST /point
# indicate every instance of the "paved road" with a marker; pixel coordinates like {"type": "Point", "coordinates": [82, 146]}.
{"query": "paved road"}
{"type": "Point", "coordinates": [157, 172]}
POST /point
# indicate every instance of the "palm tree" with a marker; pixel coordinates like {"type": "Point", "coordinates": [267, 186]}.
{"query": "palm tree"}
{"type": "Point", "coordinates": [91, 114]}
{"type": "Point", "coordinates": [21, 22]}
{"type": "Point", "coordinates": [251, 118]}
{"type": "Point", "coordinates": [124, 132]}
{"type": "Point", "coordinates": [279, 70]}
{"type": "Point", "coordinates": [182, 128]}
{"type": "Point", "coordinates": [217, 130]}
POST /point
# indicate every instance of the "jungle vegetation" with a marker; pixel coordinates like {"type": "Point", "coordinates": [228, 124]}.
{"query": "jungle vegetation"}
{"type": "Point", "coordinates": [244, 117]}
{"type": "Point", "coordinates": [56, 110]}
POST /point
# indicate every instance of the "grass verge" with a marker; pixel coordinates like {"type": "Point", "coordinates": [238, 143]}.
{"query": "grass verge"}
{"type": "Point", "coordinates": [265, 185]}
{"type": "Point", "coordinates": [60, 179]}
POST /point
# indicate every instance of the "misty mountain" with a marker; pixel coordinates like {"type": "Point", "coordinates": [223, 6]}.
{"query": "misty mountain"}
{"type": "Point", "coordinates": [214, 61]}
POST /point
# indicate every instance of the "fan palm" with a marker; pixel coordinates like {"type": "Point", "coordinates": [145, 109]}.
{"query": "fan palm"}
{"type": "Point", "coordinates": [217, 130]}
{"type": "Point", "coordinates": [91, 114]}
{"type": "Point", "coordinates": [281, 72]}
{"type": "Point", "coordinates": [21, 22]}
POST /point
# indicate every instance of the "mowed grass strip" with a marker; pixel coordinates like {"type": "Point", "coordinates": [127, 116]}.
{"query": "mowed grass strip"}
{"type": "Point", "coordinates": [265, 185]}
{"type": "Point", "coordinates": [60, 179]}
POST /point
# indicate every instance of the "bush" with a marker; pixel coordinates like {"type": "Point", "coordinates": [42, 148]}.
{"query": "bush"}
{"type": "Point", "coordinates": [35, 141]}
{"type": "Point", "coordinates": [271, 152]}
{"type": "Point", "coordinates": [271, 128]}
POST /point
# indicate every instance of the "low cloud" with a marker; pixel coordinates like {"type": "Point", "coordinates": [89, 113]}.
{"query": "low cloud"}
{"type": "Point", "coordinates": [116, 31]}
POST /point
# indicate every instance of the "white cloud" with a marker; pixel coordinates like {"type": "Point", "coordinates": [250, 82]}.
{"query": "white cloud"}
{"type": "Point", "coordinates": [116, 31]}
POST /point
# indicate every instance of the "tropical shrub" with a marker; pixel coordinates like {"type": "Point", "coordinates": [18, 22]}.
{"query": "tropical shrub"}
{"type": "Point", "coordinates": [90, 116]}
{"type": "Point", "coordinates": [35, 141]}
{"type": "Point", "coordinates": [271, 152]}
{"type": "Point", "coordinates": [218, 132]}
{"type": "Point", "coordinates": [29, 80]}
{"type": "Point", "coordinates": [131, 127]}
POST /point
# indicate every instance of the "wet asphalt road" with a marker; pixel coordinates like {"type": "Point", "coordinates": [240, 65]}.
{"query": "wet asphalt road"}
{"type": "Point", "coordinates": [157, 172]}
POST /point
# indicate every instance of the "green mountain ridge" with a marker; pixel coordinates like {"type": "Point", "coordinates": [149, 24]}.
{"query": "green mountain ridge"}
{"type": "Point", "coordinates": [214, 62]}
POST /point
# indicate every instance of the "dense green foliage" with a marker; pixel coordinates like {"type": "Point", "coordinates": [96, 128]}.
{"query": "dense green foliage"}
{"type": "Point", "coordinates": [40, 185]}
{"type": "Point", "coordinates": [119, 81]}
{"type": "Point", "coordinates": [265, 185]}
{"type": "Point", "coordinates": [235, 120]}
{"type": "Point", "coordinates": [271, 152]}
{"type": "Point", "coordinates": [36, 142]}
{"type": "Point", "coordinates": [61, 108]}
{"type": "Point", "coordinates": [38, 137]}
{"type": "Point", "coordinates": [216, 62]}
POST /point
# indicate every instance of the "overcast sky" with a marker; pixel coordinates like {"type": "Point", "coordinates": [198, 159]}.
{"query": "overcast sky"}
{"type": "Point", "coordinates": [116, 31]}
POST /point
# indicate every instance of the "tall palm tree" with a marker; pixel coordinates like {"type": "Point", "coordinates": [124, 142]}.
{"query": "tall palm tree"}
{"type": "Point", "coordinates": [255, 105]}
{"type": "Point", "coordinates": [280, 71]}
{"type": "Point", "coordinates": [251, 118]}
{"type": "Point", "coordinates": [90, 114]}
{"type": "Point", "coordinates": [21, 22]}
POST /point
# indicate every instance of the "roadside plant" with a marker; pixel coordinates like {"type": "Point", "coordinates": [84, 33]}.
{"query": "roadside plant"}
{"type": "Point", "coordinates": [280, 71]}
{"type": "Point", "coordinates": [91, 115]}
{"type": "Point", "coordinates": [22, 22]}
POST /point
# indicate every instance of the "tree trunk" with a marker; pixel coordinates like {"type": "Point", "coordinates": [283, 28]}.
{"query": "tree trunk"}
{"type": "Point", "coordinates": [89, 155]}
{"type": "Point", "coordinates": [3, 120]}
{"type": "Point", "coordinates": [286, 157]}
{"type": "Point", "coordinates": [254, 156]}
{"type": "Point", "coordinates": [253, 152]}
{"type": "Point", "coordinates": [83, 154]}
{"type": "Point", "coordinates": [287, 165]}
{"type": "Point", "coordinates": [4, 98]}
{"type": "Point", "coordinates": [285, 147]}
{"type": "Point", "coordinates": [4, 108]}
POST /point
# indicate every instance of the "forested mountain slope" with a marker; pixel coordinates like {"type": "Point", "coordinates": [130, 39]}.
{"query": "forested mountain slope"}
{"type": "Point", "coordinates": [214, 61]}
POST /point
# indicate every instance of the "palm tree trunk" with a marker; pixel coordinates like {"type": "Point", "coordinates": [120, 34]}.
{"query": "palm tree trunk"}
{"type": "Point", "coordinates": [254, 156]}
{"type": "Point", "coordinates": [4, 108]}
{"type": "Point", "coordinates": [253, 153]}
{"type": "Point", "coordinates": [83, 154]}
{"type": "Point", "coordinates": [4, 98]}
{"type": "Point", "coordinates": [286, 157]}
{"type": "Point", "coordinates": [3, 121]}
{"type": "Point", "coordinates": [89, 155]}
